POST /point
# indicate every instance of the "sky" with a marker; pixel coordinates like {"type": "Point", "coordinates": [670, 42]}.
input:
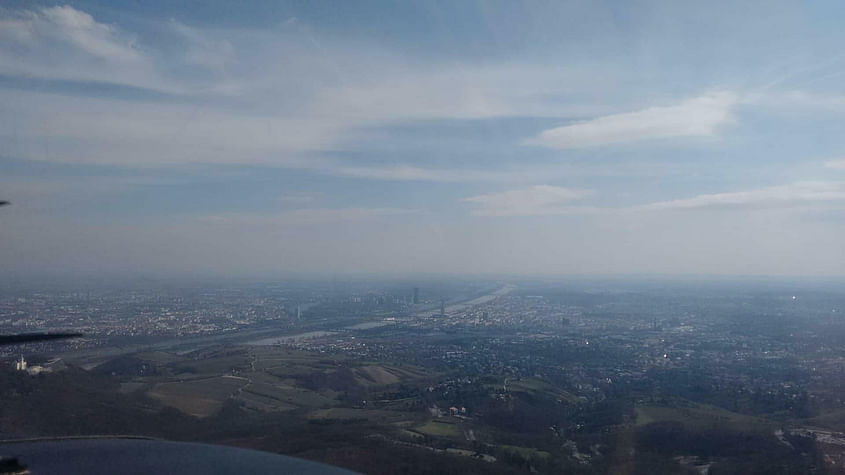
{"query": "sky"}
{"type": "Point", "coordinates": [478, 137]}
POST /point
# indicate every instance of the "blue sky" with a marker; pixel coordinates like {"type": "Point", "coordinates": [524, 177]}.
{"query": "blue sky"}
{"type": "Point", "coordinates": [232, 138]}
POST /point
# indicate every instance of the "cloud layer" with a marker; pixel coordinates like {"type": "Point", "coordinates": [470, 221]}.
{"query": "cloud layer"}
{"type": "Point", "coordinates": [467, 139]}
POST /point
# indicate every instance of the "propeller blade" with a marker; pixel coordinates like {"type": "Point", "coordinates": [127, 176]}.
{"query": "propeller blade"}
{"type": "Point", "coordinates": [30, 337]}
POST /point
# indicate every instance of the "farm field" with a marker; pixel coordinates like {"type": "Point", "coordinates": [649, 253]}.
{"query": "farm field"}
{"type": "Point", "coordinates": [198, 398]}
{"type": "Point", "coordinates": [261, 379]}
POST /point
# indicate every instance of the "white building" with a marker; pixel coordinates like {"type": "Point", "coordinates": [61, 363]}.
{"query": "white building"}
{"type": "Point", "coordinates": [20, 365]}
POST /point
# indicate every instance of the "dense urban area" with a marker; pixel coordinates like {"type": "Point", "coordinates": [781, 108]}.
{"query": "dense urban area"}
{"type": "Point", "coordinates": [445, 375]}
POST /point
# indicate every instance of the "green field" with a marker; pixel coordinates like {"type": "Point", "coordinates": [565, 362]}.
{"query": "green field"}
{"type": "Point", "coordinates": [370, 415]}
{"type": "Point", "coordinates": [526, 452]}
{"type": "Point", "coordinates": [260, 402]}
{"type": "Point", "coordinates": [375, 375]}
{"type": "Point", "coordinates": [159, 357]}
{"type": "Point", "coordinates": [704, 417]}
{"type": "Point", "coordinates": [834, 420]}
{"type": "Point", "coordinates": [197, 397]}
{"type": "Point", "coordinates": [534, 386]}
{"type": "Point", "coordinates": [439, 429]}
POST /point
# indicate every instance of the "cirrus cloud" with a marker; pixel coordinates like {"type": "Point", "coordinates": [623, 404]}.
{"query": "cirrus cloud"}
{"type": "Point", "coordinates": [793, 194]}
{"type": "Point", "coordinates": [63, 43]}
{"type": "Point", "coordinates": [533, 201]}
{"type": "Point", "coordinates": [835, 164]}
{"type": "Point", "coordinates": [696, 117]}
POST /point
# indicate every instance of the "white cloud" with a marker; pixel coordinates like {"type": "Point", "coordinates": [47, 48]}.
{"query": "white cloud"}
{"type": "Point", "coordinates": [409, 173]}
{"type": "Point", "coordinates": [65, 23]}
{"type": "Point", "coordinates": [59, 128]}
{"type": "Point", "coordinates": [401, 91]}
{"type": "Point", "coordinates": [441, 175]}
{"type": "Point", "coordinates": [62, 42]}
{"type": "Point", "coordinates": [105, 131]}
{"type": "Point", "coordinates": [289, 93]}
{"type": "Point", "coordinates": [203, 50]}
{"type": "Point", "coordinates": [791, 100]}
{"type": "Point", "coordinates": [799, 193]}
{"type": "Point", "coordinates": [700, 116]}
{"type": "Point", "coordinates": [79, 29]}
{"type": "Point", "coordinates": [838, 164]}
{"type": "Point", "coordinates": [298, 197]}
{"type": "Point", "coordinates": [550, 200]}
{"type": "Point", "coordinates": [304, 216]}
{"type": "Point", "coordinates": [532, 201]}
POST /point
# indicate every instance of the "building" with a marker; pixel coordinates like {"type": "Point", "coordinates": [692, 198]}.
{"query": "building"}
{"type": "Point", "coordinates": [416, 295]}
{"type": "Point", "coordinates": [55, 364]}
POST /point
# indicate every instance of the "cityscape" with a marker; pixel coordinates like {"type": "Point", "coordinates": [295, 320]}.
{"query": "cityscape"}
{"type": "Point", "coordinates": [585, 376]}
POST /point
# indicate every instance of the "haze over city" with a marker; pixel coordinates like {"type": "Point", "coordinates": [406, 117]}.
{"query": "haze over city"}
{"type": "Point", "coordinates": [156, 138]}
